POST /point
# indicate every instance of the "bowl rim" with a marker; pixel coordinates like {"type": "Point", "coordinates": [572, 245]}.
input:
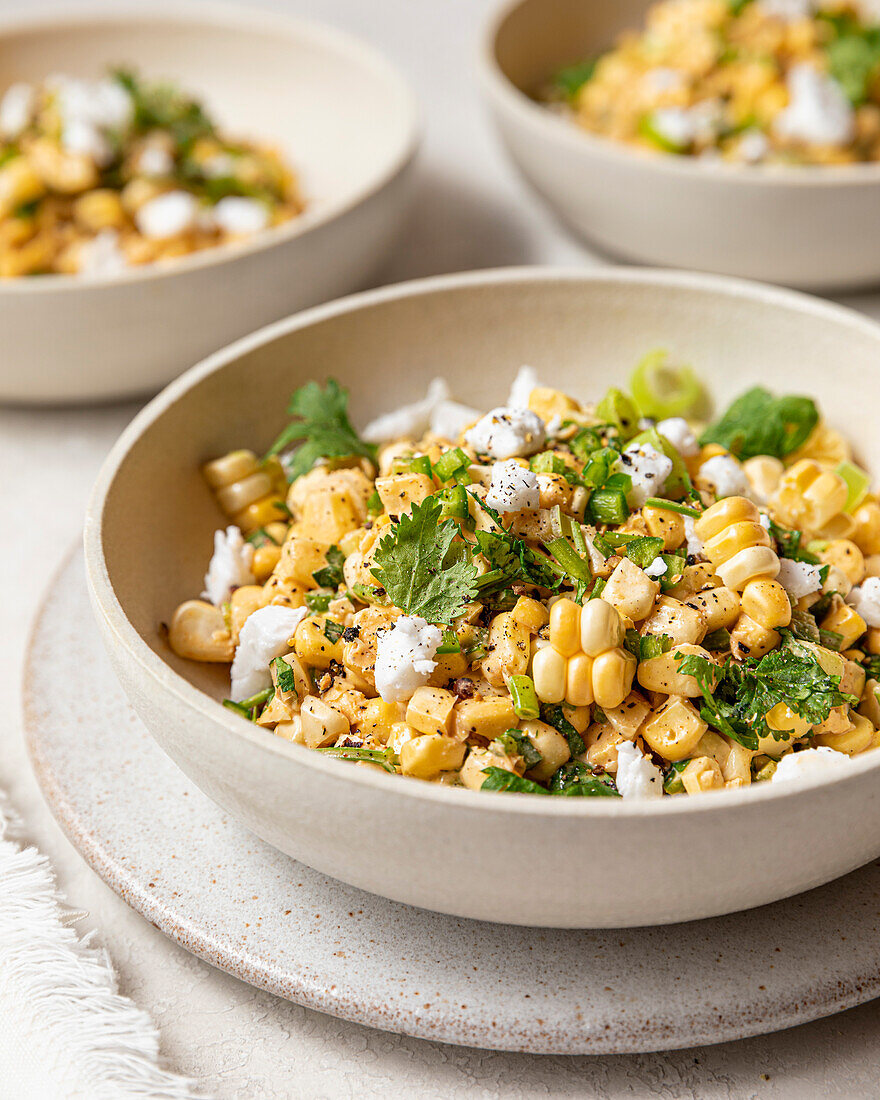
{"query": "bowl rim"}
{"type": "Point", "coordinates": [187, 695]}
{"type": "Point", "coordinates": [501, 89]}
{"type": "Point", "coordinates": [234, 16]}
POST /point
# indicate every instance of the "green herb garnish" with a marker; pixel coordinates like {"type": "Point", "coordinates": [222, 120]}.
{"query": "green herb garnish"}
{"type": "Point", "coordinates": [758, 423]}
{"type": "Point", "coordinates": [330, 575]}
{"type": "Point", "coordinates": [322, 423]}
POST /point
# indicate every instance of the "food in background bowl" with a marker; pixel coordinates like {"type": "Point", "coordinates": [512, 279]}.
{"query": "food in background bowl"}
{"type": "Point", "coordinates": [552, 598]}
{"type": "Point", "coordinates": [749, 81]}
{"type": "Point", "coordinates": [99, 175]}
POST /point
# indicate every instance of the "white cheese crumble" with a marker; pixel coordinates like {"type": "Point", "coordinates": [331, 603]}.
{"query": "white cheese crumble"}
{"type": "Point", "coordinates": [647, 467]}
{"type": "Point", "coordinates": [693, 541]}
{"type": "Point", "coordinates": [662, 79]}
{"type": "Point", "coordinates": [807, 763]}
{"type": "Point", "coordinates": [682, 126]}
{"type": "Point", "coordinates": [507, 433]}
{"type": "Point", "coordinates": [409, 421]}
{"type": "Point", "coordinates": [798, 578]}
{"type": "Point", "coordinates": [657, 568]}
{"type": "Point", "coordinates": [526, 380]}
{"type": "Point", "coordinates": [637, 776]}
{"type": "Point", "coordinates": [89, 110]}
{"type": "Point", "coordinates": [450, 418]}
{"type": "Point", "coordinates": [102, 255]}
{"type": "Point", "coordinates": [765, 521]}
{"type": "Point", "coordinates": [680, 434]}
{"type": "Point", "coordinates": [167, 215]}
{"type": "Point", "coordinates": [789, 10]}
{"type": "Point", "coordinates": [752, 147]}
{"type": "Point", "coordinates": [155, 161]}
{"type": "Point", "coordinates": [218, 166]}
{"type": "Point", "coordinates": [724, 476]}
{"type": "Point", "coordinates": [265, 635]}
{"type": "Point", "coordinates": [16, 109]}
{"type": "Point", "coordinates": [513, 487]}
{"type": "Point", "coordinates": [405, 657]}
{"type": "Point", "coordinates": [818, 111]}
{"type": "Point", "coordinates": [230, 566]}
{"type": "Point", "coordinates": [238, 215]}
{"type": "Point", "coordinates": [865, 598]}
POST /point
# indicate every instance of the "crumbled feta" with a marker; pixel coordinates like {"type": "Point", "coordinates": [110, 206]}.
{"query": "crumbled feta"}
{"type": "Point", "coordinates": [637, 776]}
{"type": "Point", "coordinates": [405, 657]}
{"type": "Point", "coordinates": [657, 568]}
{"type": "Point", "coordinates": [818, 110]}
{"type": "Point", "coordinates": [409, 421]}
{"type": "Point", "coordinates": [553, 426]}
{"type": "Point", "coordinates": [799, 578]}
{"type": "Point", "coordinates": [88, 110]}
{"type": "Point", "coordinates": [807, 763]}
{"type": "Point", "coordinates": [753, 147]}
{"type": "Point", "coordinates": [265, 635]}
{"type": "Point", "coordinates": [155, 161]}
{"type": "Point", "coordinates": [450, 418]}
{"type": "Point", "coordinates": [218, 166]}
{"type": "Point", "coordinates": [789, 10]}
{"type": "Point", "coordinates": [724, 476]}
{"type": "Point", "coordinates": [681, 126]}
{"type": "Point", "coordinates": [662, 79]}
{"type": "Point", "coordinates": [693, 542]}
{"type": "Point", "coordinates": [102, 255]}
{"type": "Point", "coordinates": [526, 380]}
{"type": "Point", "coordinates": [680, 434]}
{"type": "Point", "coordinates": [648, 468]}
{"type": "Point", "coordinates": [234, 214]}
{"type": "Point", "coordinates": [230, 566]}
{"type": "Point", "coordinates": [865, 598]}
{"type": "Point", "coordinates": [507, 433]}
{"type": "Point", "coordinates": [765, 521]}
{"type": "Point", "coordinates": [16, 109]}
{"type": "Point", "coordinates": [167, 215]}
{"type": "Point", "coordinates": [513, 487]}
{"type": "Point", "coordinates": [80, 137]}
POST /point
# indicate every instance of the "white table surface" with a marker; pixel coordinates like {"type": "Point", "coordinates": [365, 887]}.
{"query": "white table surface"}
{"type": "Point", "coordinates": [235, 1040]}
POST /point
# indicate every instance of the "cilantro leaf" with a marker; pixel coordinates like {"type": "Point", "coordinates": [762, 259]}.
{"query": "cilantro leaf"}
{"type": "Point", "coordinates": [791, 675]}
{"type": "Point", "coordinates": [322, 422]}
{"type": "Point", "coordinates": [569, 81]}
{"type": "Point", "coordinates": [758, 423]}
{"type": "Point", "coordinates": [330, 575]}
{"type": "Point", "coordinates": [420, 568]}
{"type": "Point", "coordinates": [854, 60]}
{"type": "Point", "coordinates": [578, 780]}
{"type": "Point", "coordinates": [555, 716]}
{"type": "Point", "coordinates": [499, 779]}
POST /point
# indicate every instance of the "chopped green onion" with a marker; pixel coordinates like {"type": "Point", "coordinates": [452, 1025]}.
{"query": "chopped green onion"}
{"type": "Point", "coordinates": [525, 699]}
{"type": "Point", "coordinates": [250, 708]}
{"type": "Point", "coordinates": [857, 484]}
{"type": "Point", "coordinates": [617, 408]}
{"type": "Point", "coordinates": [573, 564]}
{"type": "Point", "coordinates": [608, 506]}
{"type": "Point", "coordinates": [548, 462]}
{"type": "Point", "coordinates": [584, 442]}
{"type": "Point", "coordinates": [450, 643]}
{"type": "Point", "coordinates": [662, 391]}
{"type": "Point", "coordinates": [717, 640]}
{"type": "Point", "coordinates": [385, 758]}
{"type": "Point", "coordinates": [643, 549]}
{"type": "Point", "coordinates": [672, 784]}
{"type": "Point", "coordinates": [332, 631]}
{"type": "Point", "coordinates": [450, 462]}
{"type": "Point", "coordinates": [374, 504]}
{"type": "Point", "coordinates": [319, 599]}
{"type": "Point", "coordinates": [675, 566]}
{"type": "Point", "coordinates": [454, 501]}
{"type": "Point", "coordinates": [673, 506]}
{"type": "Point", "coordinates": [598, 588]}
{"type": "Point", "coordinates": [421, 464]}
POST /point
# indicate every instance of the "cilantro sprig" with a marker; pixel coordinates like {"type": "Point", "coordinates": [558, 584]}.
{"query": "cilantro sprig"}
{"type": "Point", "coordinates": [321, 422]}
{"type": "Point", "coordinates": [758, 423]}
{"type": "Point", "coordinates": [420, 567]}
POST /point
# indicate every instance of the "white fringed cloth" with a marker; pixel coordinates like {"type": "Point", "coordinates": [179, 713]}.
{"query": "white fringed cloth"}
{"type": "Point", "coordinates": [65, 1031]}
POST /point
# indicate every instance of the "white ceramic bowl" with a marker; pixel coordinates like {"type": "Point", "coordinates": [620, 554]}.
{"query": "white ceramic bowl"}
{"type": "Point", "coordinates": [344, 118]}
{"type": "Point", "coordinates": [810, 227]}
{"type": "Point", "coordinates": [513, 858]}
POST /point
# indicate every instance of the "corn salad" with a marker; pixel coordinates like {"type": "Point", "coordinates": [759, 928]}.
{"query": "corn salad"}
{"type": "Point", "coordinates": [96, 176]}
{"type": "Point", "coordinates": [554, 597]}
{"type": "Point", "coordinates": [745, 81]}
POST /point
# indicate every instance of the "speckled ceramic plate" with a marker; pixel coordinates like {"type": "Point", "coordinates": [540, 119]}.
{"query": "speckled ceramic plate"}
{"type": "Point", "coordinates": [241, 905]}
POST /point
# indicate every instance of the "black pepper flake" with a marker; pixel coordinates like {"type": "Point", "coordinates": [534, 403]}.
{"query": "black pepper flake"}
{"type": "Point", "coordinates": [351, 634]}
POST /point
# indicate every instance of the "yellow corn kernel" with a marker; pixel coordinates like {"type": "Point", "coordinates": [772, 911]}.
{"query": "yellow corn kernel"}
{"type": "Point", "coordinates": [767, 603]}
{"type": "Point", "coordinates": [554, 491]}
{"type": "Point", "coordinates": [601, 627]}
{"type": "Point", "coordinates": [487, 718]}
{"type": "Point", "coordinates": [283, 591]}
{"type": "Point", "coordinates": [855, 740]}
{"type": "Point", "coordinates": [847, 622]}
{"type": "Point", "coordinates": [266, 557]}
{"type": "Point", "coordinates": [300, 559]}
{"type": "Point", "coordinates": [723, 514]}
{"type": "Point", "coordinates": [678, 621]}
{"type": "Point", "coordinates": [866, 534]}
{"type": "Point", "coordinates": [602, 742]}
{"type": "Point", "coordinates": [749, 639]}
{"type": "Point", "coordinates": [237, 496]}
{"type": "Point", "coordinates": [198, 633]}
{"type": "Point", "coordinates": [749, 564]}
{"type": "Point", "coordinates": [449, 667]}
{"type": "Point", "coordinates": [259, 514]}
{"type": "Point", "coordinates": [330, 515]}
{"type": "Point", "coordinates": [736, 764]}
{"type": "Point", "coordinates": [702, 774]}
{"type": "Point", "coordinates": [231, 467]}
{"type": "Point", "coordinates": [19, 184]}
{"type": "Point", "coordinates": [847, 557]}
{"type": "Point", "coordinates": [530, 613]}
{"type": "Point", "coordinates": [661, 673]}
{"type": "Point", "coordinates": [291, 731]}
{"type": "Point", "coordinates": [30, 259]}
{"type": "Point", "coordinates": [302, 680]}
{"type": "Point", "coordinates": [870, 703]}
{"type": "Point", "coordinates": [565, 626]}
{"type": "Point", "coordinates": [783, 719]}
{"type": "Point", "coordinates": [627, 718]}
{"type": "Point", "coordinates": [243, 602]}
{"type": "Point", "coordinates": [550, 744]}
{"type": "Point", "coordinates": [475, 765]}
{"type": "Point", "coordinates": [579, 680]}
{"type": "Point", "coordinates": [549, 674]}
{"type": "Point", "coordinates": [322, 724]}
{"type": "Point", "coordinates": [61, 171]}
{"type": "Point", "coordinates": [763, 473]}
{"type": "Point", "coordinates": [312, 645]}
{"type": "Point", "coordinates": [665, 525]}
{"type": "Point", "coordinates": [838, 721]}
{"type": "Point", "coordinates": [630, 591]}
{"type": "Point", "coordinates": [694, 579]}
{"type": "Point", "coordinates": [100, 209]}
{"type": "Point", "coordinates": [400, 492]}
{"type": "Point", "coordinates": [430, 710]}
{"type": "Point", "coordinates": [872, 640]}
{"type": "Point", "coordinates": [719, 606]}
{"type": "Point", "coordinates": [508, 650]}
{"type": "Point", "coordinates": [675, 730]}
{"type": "Point", "coordinates": [547, 403]}
{"type": "Point", "coordinates": [612, 677]}
{"type": "Point", "coordinates": [738, 536]}
{"type": "Point", "coordinates": [808, 496]}
{"type": "Point", "coordinates": [840, 526]}
{"type": "Point", "coordinates": [426, 756]}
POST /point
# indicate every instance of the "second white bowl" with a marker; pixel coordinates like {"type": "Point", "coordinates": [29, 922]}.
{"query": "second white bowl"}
{"type": "Point", "coordinates": [809, 227]}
